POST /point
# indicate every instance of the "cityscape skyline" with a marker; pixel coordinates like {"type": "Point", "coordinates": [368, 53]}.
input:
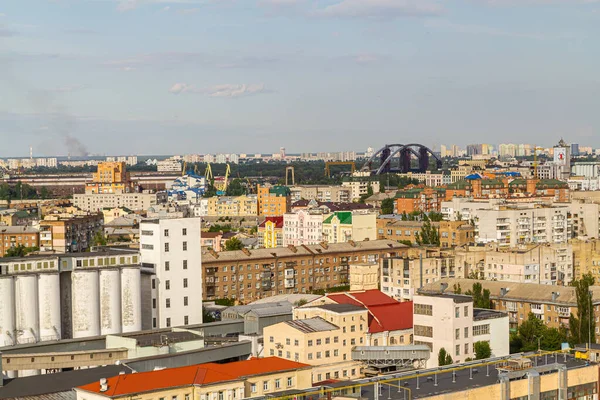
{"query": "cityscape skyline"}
{"type": "Point", "coordinates": [236, 77]}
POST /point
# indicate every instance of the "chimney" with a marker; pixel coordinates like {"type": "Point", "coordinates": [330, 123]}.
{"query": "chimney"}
{"type": "Point", "coordinates": [324, 245]}
{"type": "Point", "coordinates": [443, 287]}
{"type": "Point", "coordinates": [246, 251]}
{"type": "Point", "coordinates": [292, 248]}
{"type": "Point", "coordinates": [352, 243]}
{"type": "Point", "coordinates": [103, 385]}
{"type": "Point", "coordinates": [555, 296]}
{"type": "Point", "coordinates": [503, 291]}
{"type": "Point", "coordinates": [214, 253]}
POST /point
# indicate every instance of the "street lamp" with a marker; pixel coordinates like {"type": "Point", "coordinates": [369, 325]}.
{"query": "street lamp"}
{"type": "Point", "coordinates": [539, 338]}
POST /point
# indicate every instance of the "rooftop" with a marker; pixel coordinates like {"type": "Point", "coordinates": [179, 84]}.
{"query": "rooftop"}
{"type": "Point", "coordinates": [18, 229]}
{"type": "Point", "coordinates": [243, 309]}
{"type": "Point", "coordinates": [310, 325]}
{"type": "Point", "coordinates": [480, 314]}
{"type": "Point", "coordinates": [202, 374]}
{"type": "Point", "coordinates": [341, 308]}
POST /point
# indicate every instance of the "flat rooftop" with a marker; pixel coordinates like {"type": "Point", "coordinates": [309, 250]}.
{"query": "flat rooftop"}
{"type": "Point", "coordinates": [480, 314]}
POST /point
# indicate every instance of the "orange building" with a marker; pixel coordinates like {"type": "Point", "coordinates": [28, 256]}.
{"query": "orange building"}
{"type": "Point", "coordinates": [14, 236]}
{"type": "Point", "coordinates": [504, 188]}
{"type": "Point", "coordinates": [111, 177]}
{"type": "Point", "coordinates": [456, 233]}
{"type": "Point", "coordinates": [273, 201]}
{"type": "Point", "coordinates": [419, 199]}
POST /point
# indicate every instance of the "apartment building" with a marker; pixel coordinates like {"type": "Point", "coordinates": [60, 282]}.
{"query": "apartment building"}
{"type": "Point", "coordinates": [364, 276]}
{"type": "Point", "coordinates": [232, 206]}
{"type": "Point", "coordinates": [172, 248]}
{"type": "Point", "coordinates": [69, 233]}
{"type": "Point", "coordinates": [302, 227]}
{"type": "Point", "coordinates": [449, 321]}
{"type": "Point", "coordinates": [359, 186]}
{"type": "Point", "coordinates": [343, 226]}
{"type": "Point", "coordinates": [270, 233]}
{"type": "Point", "coordinates": [510, 225]}
{"type": "Point", "coordinates": [398, 230]}
{"type": "Point", "coordinates": [236, 380]}
{"type": "Point", "coordinates": [96, 202]}
{"type": "Point", "coordinates": [586, 258]}
{"type": "Point", "coordinates": [322, 193]}
{"type": "Point", "coordinates": [419, 199]}
{"type": "Point", "coordinates": [15, 236]}
{"type": "Point", "coordinates": [553, 304]}
{"type": "Point", "coordinates": [478, 187]}
{"type": "Point", "coordinates": [402, 277]}
{"type": "Point", "coordinates": [456, 233]}
{"type": "Point", "coordinates": [584, 219]}
{"type": "Point", "coordinates": [110, 177]}
{"type": "Point", "coordinates": [273, 201]}
{"type": "Point", "coordinates": [549, 264]}
{"type": "Point", "coordinates": [248, 275]}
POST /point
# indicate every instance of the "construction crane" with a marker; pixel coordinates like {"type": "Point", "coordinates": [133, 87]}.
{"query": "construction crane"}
{"type": "Point", "coordinates": [208, 173]}
{"type": "Point", "coordinates": [329, 163]}
{"type": "Point", "coordinates": [183, 170]}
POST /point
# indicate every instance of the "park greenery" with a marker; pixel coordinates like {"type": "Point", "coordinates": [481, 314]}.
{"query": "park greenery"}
{"type": "Point", "coordinates": [21, 191]}
{"type": "Point", "coordinates": [20, 251]}
{"type": "Point", "coordinates": [444, 358]}
{"type": "Point", "coordinates": [233, 244]}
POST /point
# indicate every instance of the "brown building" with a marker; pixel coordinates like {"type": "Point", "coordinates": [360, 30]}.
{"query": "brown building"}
{"type": "Point", "coordinates": [586, 258]}
{"type": "Point", "coordinates": [14, 236]}
{"type": "Point", "coordinates": [551, 304]}
{"type": "Point", "coordinates": [247, 275]}
{"type": "Point", "coordinates": [273, 201]}
{"type": "Point", "coordinates": [456, 233]}
{"type": "Point", "coordinates": [398, 230]}
{"type": "Point", "coordinates": [111, 177]}
{"type": "Point", "coordinates": [419, 199]}
{"type": "Point", "coordinates": [504, 188]}
{"type": "Point", "coordinates": [69, 233]}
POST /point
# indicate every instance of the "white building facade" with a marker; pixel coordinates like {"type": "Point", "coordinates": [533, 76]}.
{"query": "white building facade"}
{"type": "Point", "coordinates": [302, 228]}
{"type": "Point", "coordinates": [172, 248]}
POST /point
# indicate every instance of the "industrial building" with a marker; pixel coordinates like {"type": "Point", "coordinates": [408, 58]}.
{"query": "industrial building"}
{"type": "Point", "coordinates": [53, 297]}
{"type": "Point", "coordinates": [171, 247]}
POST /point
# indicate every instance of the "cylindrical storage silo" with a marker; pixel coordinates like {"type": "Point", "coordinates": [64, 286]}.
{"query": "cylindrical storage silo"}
{"type": "Point", "coordinates": [49, 306]}
{"type": "Point", "coordinates": [85, 294]}
{"type": "Point", "coordinates": [131, 299]}
{"type": "Point", "coordinates": [28, 372]}
{"type": "Point", "coordinates": [110, 301]}
{"type": "Point", "coordinates": [26, 309]}
{"type": "Point", "coordinates": [7, 311]}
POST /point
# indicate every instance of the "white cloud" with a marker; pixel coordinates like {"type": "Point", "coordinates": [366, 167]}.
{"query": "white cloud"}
{"type": "Point", "coordinates": [381, 9]}
{"type": "Point", "coordinates": [167, 8]}
{"type": "Point", "coordinates": [226, 90]}
{"type": "Point", "coordinates": [188, 11]}
{"type": "Point", "coordinates": [479, 30]}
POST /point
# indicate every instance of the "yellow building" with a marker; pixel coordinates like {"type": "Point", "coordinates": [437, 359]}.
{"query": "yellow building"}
{"type": "Point", "coordinates": [270, 233]}
{"type": "Point", "coordinates": [111, 177]}
{"type": "Point", "coordinates": [456, 233]}
{"type": "Point", "coordinates": [110, 214]}
{"type": "Point", "coordinates": [236, 380]}
{"type": "Point", "coordinates": [586, 258]}
{"type": "Point", "coordinates": [232, 206]}
{"type": "Point", "coordinates": [364, 276]}
{"type": "Point", "coordinates": [343, 226]}
{"type": "Point", "coordinates": [273, 201]}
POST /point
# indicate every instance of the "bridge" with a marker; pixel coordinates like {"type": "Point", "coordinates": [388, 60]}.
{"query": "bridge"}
{"type": "Point", "coordinates": [404, 153]}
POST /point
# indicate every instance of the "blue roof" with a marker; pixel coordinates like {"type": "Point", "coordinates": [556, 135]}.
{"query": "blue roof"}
{"type": "Point", "coordinates": [473, 176]}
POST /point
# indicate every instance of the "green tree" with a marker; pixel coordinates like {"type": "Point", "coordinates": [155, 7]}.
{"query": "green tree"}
{"type": "Point", "coordinates": [435, 216]}
{"type": "Point", "coordinates": [481, 297]}
{"type": "Point", "coordinates": [482, 350]}
{"type": "Point", "coordinates": [444, 358]}
{"type": "Point", "coordinates": [99, 239]}
{"type": "Point", "coordinates": [220, 228]}
{"type": "Point", "coordinates": [533, 333]}
{"type": "Point", "coordinates": [457, 288]}
{"type": "Point", "coordinates": [20, 251]}
{"type": "Point", "coordinates": [581, 326]}
{"type": "Point", "coordinates": [44, 193]}
{"type": "Point", "coordinates": [405, 242]}
{"type": "Point", "coordinates": [233, 244]}
{"type": "Point", "coordinates": [235, 188]}
{"type": "Point", "coordinates": [387, 206]}
{"type": "Point", "coordinates": [530, 331]}
{"type": "Point", "coordinates": [428, 235]}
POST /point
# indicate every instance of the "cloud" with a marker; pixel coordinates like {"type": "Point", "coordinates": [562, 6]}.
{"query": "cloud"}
{"type": "Point", "coordinates": [479, 30]}
{"type": "Point", "coordinates": [226, 90]}
{"type": "Point", "coordinates": [188, 11]}
{"type": "Point", "coordinates": [167, 8]}
{"type": "Point", "coordinates": [383, 9]}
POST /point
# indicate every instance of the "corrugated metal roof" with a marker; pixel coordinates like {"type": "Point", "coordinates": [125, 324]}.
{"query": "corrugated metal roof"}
{"type": "Point", "coordinates": [310, 325]}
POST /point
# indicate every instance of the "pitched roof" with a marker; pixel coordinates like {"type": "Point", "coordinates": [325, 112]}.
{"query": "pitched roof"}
{"type": "Point", "coordinates": [366, 298]}
{"type": "Point", "coordinates": [202, 374]}
{"type": "Point", "coordinates": [278, 221]}
{"type": "Point", "coordinates": [345, 217]}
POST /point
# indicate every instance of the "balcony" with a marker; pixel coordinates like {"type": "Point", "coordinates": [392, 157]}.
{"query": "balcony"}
{"type": "Point", "coordinates": [289, 283]}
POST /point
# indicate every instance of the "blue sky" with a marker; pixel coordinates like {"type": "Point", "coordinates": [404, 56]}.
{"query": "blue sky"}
{"type": "Point", "coordinates": [206, 76]}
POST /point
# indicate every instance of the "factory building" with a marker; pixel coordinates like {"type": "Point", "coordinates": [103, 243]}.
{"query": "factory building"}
{"type": "Point", "coordinates": [171, 247]}
{"type": "Point", "coordinates": [78, 295]}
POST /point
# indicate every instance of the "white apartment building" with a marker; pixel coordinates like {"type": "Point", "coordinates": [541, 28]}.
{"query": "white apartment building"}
{"type": "Point", "coordinates": [95, 202]}
{"type": "Point", "coordinates": [324, 193]}
{"type": "Point", "coordinates": [360, 187]}
{"type": "Point", "coordinates": [585, 219]}
{"type": "Point", "coordinates": [168, 166]}
{"type": "Point", "coordinates": [172, 248]}
{"type": "Point", "coordinates": [302, 228]}
{"type": "Point", "coordinates": [587, 169]}
{"type": "Point", "coordinates": [449, 321]}
{"type": "Point", "coordinates": [511, 225]}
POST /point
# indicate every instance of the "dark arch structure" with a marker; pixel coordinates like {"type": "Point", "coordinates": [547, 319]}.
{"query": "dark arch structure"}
{"type": "Point", "coordinates": [404, 152]}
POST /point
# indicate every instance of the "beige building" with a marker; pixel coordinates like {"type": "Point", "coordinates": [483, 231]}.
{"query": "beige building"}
{"type": "Point", "coordinates": [336, 194]}
{"type": "Point", "coordinates": [321, 336]}
{"type": "Point", "coordinates": [586, 258]}
{"type": "Point", "coordinates": [233, 206]}
{"type": "Point", "coordinates": [360, 187]}
{"type": "Point", "coordinates": [134, 201]}
{"type": "Point", "coordinates": [344, 226]}
{"type": "Point", "coordinates": [67, 233]}
{"type": "Point", "coordinates": [236, 380]}
{"type": "Point", "coordinates": [364, 276]}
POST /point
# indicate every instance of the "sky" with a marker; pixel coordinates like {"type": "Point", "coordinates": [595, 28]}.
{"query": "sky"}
{"type": "Point", "coordinates": [123, 77]}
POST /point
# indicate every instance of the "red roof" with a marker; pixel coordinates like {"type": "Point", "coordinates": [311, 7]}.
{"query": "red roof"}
{"type": "Point", "coordinates": [385, 313]}
{"type": "Point", "coordinates": [201, 374]}
{"type": "Point", "coordinates": [277, 220]}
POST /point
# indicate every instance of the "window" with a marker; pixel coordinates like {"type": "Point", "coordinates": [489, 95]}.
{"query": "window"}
{"type": "Point", "coordinates": [253, 387]}
{"type": "Point", "coordinates": [466, 311]}
{"type": "Point", "coordinates": [277, 383]}
{"type": "Point", "coordinates": [310, 356]}
{"type": "Point", "coordinates": [167, 266]}
{"type": "Point", "coordinates": [296, 342]}
{"type": "Point", "coordinates": [266, 385]}
{"type": "Point", "coordinates": [318, 342]}
{"type": "Point", "coordinates": [184, 246]}
{"type": "Point", "coordinates": [153, 303]}
{"type": "Point", "coordinates": [153, 324]}
{"type": "Point", "coordinates": [168, 322]}
{"type": "Point", "coordinates": [481, 330]}
{"type": "Point", "coordinates": [423, 309]}
{"type": "Point", "coordinates": [336, 352]}
{"type": "Point", "coordinates": [185, 282]}
{"type": "Point", "coordinates": [166, 247]}
{"type": "Point", "coordinates": [327, 353]}
{"type": "Point", "coordinates": [466, 348]}
{"type": "Point", "coordinates": [288, 341]}
{"type": "Point", "coordinates": [184, 264]}
{"type": "Point", "coordinates": [352, 328]}
{"type": "Point", "coordinates": [167, 284]}
{"type": "Point", "coordinates": [327, 340]}
{"type": "Point", "coordinates": [318, 354]}
{"type": "Point", "coordinates": [147, 233]}
{"type": "Point", "coordinates": [272, 352]}
{"type": "Point", "coordinates": [184, 232]}
{"type": "Point", "coordinates": [466, 332]}
{"type": "Point", "coordinates": [457, 333]}
{"type": "Point", "coordinates": [271, 339]}
{"type": "Point", "coordinates": [166, 233]}
{"type": "Point", "coordinates": [457, 352]}
{"type": "Point", "coordinates": [168, 303]}
{"type": "Point", "coordinates": [421, 330]}
{"type": "Point", "coordinates": [185, 300]}
{"type": "Point", "coordinates": [335, 339]}
{"type": "Point", "coordinates": [290, 381]}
